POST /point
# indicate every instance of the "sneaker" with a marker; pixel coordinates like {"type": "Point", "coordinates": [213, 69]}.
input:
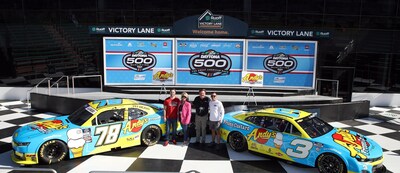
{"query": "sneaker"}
{"type": "Point", "coordinates": [211, 144]}
{"type": "Point", "coordinates": [165, 143]}
{"type": "Point", "coordinates": [173, 141]}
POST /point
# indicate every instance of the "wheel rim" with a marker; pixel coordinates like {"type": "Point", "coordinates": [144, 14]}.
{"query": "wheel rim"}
{"type": "Point", "coordinates": [330, 164]}
{"type": "Point", "coordinates": [53, 151]}
{"type": "Point", "coordinates": [151, 135]}
{"type": "Point", "coordinates": [236, 141]}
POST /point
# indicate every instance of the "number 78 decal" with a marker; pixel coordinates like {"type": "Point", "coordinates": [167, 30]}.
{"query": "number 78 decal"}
{"type": "Point", "coordinates": [302, 149]}
{"type": "Point", "coordinates": [108, 134]}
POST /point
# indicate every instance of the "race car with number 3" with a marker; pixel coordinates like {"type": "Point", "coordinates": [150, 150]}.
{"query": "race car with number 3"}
{"type": "Point", "coordinates": [301, 137]}
{"type": "Point", "coordinates": [96, 127]}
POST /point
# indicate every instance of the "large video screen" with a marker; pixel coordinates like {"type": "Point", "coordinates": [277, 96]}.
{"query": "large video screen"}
{"type": "Point", "coordinates": [209, 61]}
{"type": "Point", "coordinates": [129, 61]}
{"type": "Point", "coordinates": [284, 63]}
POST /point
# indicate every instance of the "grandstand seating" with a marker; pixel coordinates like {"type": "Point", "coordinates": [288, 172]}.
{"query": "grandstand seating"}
{"type": "Point", "coordinates": [38, 49]}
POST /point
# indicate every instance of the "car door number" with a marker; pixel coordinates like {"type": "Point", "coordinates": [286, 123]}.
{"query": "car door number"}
{"type": "Point", "coordinates": [302, 149]}
{"type": "Point", "coordinates": [108, 134]}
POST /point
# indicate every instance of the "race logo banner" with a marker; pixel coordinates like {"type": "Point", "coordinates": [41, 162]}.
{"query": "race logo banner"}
{"type": "Point", "coordinates": [139, 61]}
{"type": "Point", "coordinates": [163, 77]}
{"type": "Point", "coordinates": [210, 64]}
{"type": "Point", "coordinates": [252, 78]}
{"type": "Point", "coordinates": [280, 63]}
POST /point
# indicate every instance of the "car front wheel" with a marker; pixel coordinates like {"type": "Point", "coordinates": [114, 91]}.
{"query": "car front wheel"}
{"type": "Point", "coordinates": [53, 151]}
{"type": "Point", "coordinates": [237, 141]}
{"type": "Point", "coordinates": [151, 135]}
{"type": "Point", "coordinates": [329, 163]}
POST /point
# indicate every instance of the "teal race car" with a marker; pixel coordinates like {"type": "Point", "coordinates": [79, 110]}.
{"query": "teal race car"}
{"type": "Point", "coordinates": [96, 127]}
{"type": "Point", "coordinates": [302, 137]}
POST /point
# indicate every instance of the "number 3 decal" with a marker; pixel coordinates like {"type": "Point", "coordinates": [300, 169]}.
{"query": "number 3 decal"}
{"type": "Point", "coordinates": [108, 134]}
{"type": "Point", "coordinates": [302, 150]}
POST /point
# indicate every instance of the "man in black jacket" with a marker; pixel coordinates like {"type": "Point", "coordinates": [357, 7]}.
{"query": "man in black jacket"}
{"type": "Point", "coordinates": [201, 103]}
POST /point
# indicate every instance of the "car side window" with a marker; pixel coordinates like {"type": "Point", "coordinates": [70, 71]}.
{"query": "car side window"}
{"type": "Point", "coordinates": [135, 113]}
{"type": "Point", "coordinates": [261, 121]}
{"type": "Point", "coordinates": [254, 119]}
{"type": "Point", "coordinates": [275, 124]}
{"type": "Point", "coordinates": [109, 116]}
{"type": "Point", "coordinates": [292, 130]}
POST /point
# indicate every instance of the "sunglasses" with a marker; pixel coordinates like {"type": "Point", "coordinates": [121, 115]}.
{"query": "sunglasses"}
{"type": "Point", "coordinates": [213, 95]}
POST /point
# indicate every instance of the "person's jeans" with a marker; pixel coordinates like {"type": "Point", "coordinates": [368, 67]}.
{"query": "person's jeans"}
{"type": "Point", "coordinates": [185, 132]}
{"type": "Point", "coordinates": [171, 121]}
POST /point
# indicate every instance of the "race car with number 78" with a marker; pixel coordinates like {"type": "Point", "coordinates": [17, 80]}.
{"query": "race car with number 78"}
{"type": "Point", "coordinates": [301, 137]}
{"type": "Point", "coordinates": [96, 127]}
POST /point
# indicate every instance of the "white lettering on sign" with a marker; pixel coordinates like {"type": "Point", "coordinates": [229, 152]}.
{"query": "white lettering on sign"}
{"type": "Point", "coordinates": [304, 33]}
{"type": "Point", "coordinates": [280, 33]}
{"type": "Point", "coordinates": [122, 30]}
{"type": "Point", "coordinates": [288, 33]}
{"type": "Point", "coordinates": [146, 30]}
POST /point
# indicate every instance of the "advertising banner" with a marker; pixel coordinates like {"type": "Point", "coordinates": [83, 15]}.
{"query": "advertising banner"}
{"type": "Point", "coordinates": [130, 61]}
{"type": "Point", "coordinates": [252, 78]}
{"type": "Point", "coordinates": [129, 30]}
{"type": "Point", "coordinates": [163, 76]}
{"type": "Point", "coordinates": [209, 61]}
{"type": "Point", "coordinates": [284, 63]}
{"type": "Point", "coordinates": [289, 33]}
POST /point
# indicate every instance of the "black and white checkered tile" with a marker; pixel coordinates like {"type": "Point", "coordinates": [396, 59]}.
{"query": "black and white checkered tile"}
{"type": "Point", "coordinates": [382, 126]}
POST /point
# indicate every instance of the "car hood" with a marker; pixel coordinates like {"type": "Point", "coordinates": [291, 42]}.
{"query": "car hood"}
{"type": "Point", "coordinates": [45, 127]}
{"type": "Point", "coordinates": [358, 145]}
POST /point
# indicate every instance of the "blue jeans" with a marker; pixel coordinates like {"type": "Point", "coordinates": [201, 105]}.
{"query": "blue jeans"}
{"type": "Point", "coordinates": [171, 121]}
{"type": "Point", "coordinates": [185, 131]}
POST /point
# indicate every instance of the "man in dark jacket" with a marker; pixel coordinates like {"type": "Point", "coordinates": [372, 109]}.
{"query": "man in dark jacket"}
{"type": "Point", "coordinates": [201, 103]}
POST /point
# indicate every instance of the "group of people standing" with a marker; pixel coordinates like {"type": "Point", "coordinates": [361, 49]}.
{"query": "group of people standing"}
{"type": "Point", "coordinates": [207, 110]}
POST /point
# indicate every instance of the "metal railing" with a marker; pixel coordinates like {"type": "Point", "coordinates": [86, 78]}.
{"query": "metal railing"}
{"type": "Point", "coordinates": [88, 76]}
{"type": "Point", "coordinates": [57, 82]}
{"type": "Point", "coordinates": [36, 87]}
{"type": "Point", "coordinates": [29, 169]}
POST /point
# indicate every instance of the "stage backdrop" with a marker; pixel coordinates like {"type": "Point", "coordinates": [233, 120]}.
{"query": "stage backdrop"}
{"type": "Point", "coordinates": [129, 61]}
{"type": "Point", "coordinates": [206, 61]}
{"type": "Point", "coordinates": [209, 61]}
{"type": "Point", "coordinates": [284, 63]}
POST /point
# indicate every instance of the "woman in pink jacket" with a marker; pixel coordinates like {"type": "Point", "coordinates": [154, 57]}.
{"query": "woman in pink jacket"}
{"type": "Point", "coordinates": [185, 113]}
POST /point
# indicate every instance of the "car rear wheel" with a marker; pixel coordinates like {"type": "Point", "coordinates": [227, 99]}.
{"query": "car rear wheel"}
{"type": "Point", "coordinates": [151, 135]}
{"type": "Point", "coordinates": [329, 163]}
{"type": "Point", "coordinates": [237, 141]}
{"type": "Point", "coordinates": [53, 151]}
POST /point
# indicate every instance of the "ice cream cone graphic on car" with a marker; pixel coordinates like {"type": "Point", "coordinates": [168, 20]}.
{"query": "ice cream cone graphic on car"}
{"type": "Point", "coordinates": [76, 142]}
{"type": "Point", "coordinates": [278, 140]}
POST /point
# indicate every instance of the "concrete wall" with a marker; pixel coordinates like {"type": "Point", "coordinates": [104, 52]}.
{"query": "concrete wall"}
{"type": "Point", "coordinates": [378, 99]}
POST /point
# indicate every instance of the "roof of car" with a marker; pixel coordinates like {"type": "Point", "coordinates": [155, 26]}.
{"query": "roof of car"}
{"type": "Point", "coordinates": [290, 113]}
{"type": "Point", "coordinates": [108, 102]}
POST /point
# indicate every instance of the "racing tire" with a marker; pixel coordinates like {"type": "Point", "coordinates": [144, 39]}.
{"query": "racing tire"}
{"type": "Point", "coordinates": [237, 141]}
{"type": "Point", "coordinates": [330, 163]}
{"type": "Point", "coordinates": [151, 135]}
{"type": "Point", "coordinates": [53, 151]}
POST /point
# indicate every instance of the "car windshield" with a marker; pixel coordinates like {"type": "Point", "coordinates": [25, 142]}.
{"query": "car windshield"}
{"type": "Point", "coordinates": [81, 115]}
{"type": "Point", "coordinates": [314, 126]}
